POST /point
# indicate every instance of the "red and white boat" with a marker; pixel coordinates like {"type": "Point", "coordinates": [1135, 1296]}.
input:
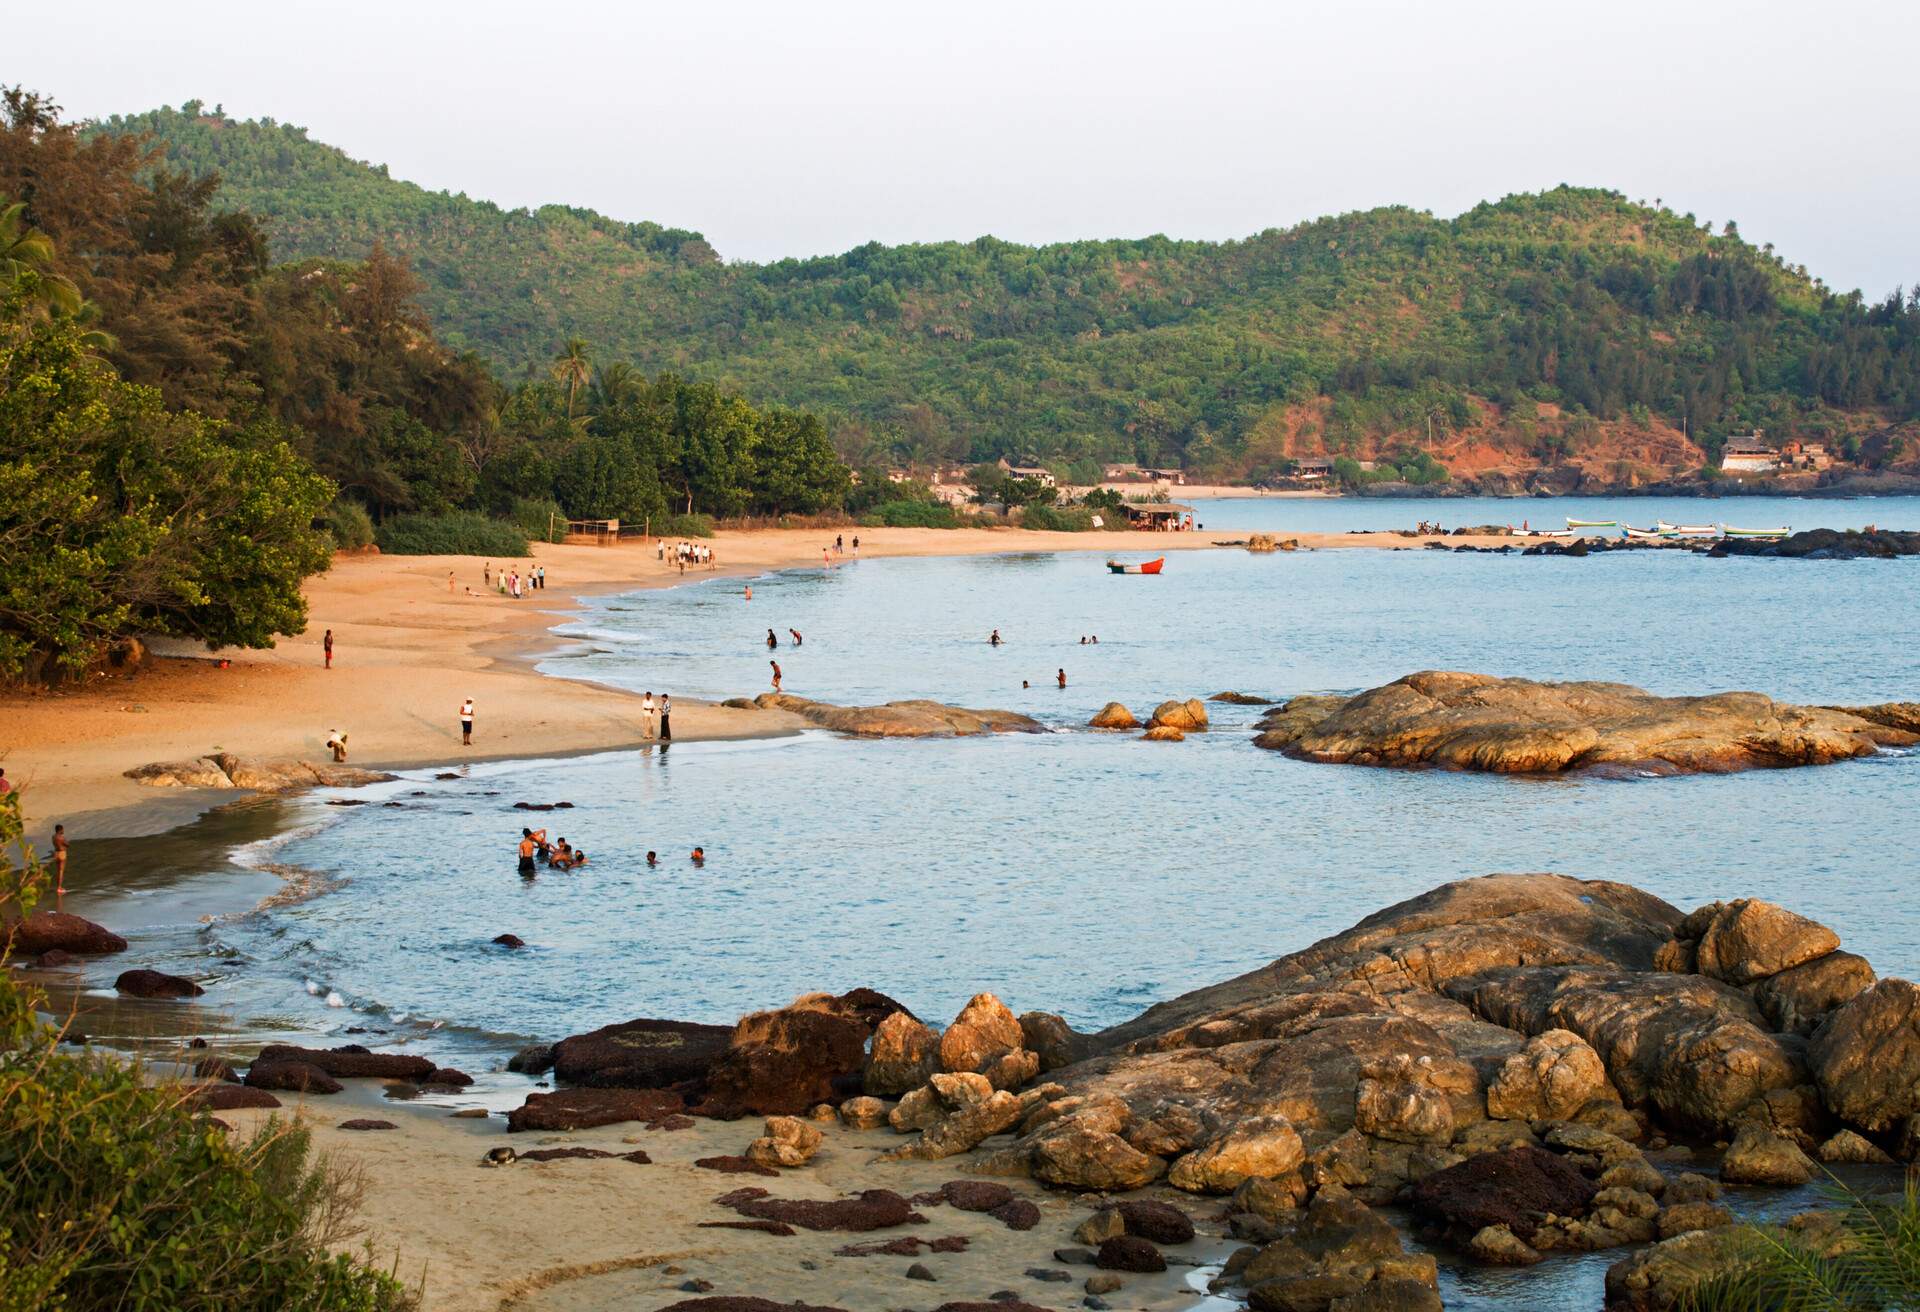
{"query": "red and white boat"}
{"type": "Point", "coordinates": [1144, 567]}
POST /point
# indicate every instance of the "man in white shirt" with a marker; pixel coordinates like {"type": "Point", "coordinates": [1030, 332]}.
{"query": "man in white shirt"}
{"type": "Point", "coordinates": [466, 723]}
{"type": "Point", "coordinates": [647, 712]}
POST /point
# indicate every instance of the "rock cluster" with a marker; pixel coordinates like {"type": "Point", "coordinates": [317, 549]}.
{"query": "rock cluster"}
{"type": "Point", "coordinates": [57, 931]}
{"type": "Point", "coordinates": [1825, 544]}
{"type": "Point", "coordinates": [1478, 722]}
{"type": "Point", "coordinates": [260, 774]}
{"type": "Point", "coordinates": [902, 719]}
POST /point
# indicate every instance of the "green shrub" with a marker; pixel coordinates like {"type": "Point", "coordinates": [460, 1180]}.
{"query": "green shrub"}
{"type": "Point", "coordinates": [1863, 1255]}
{"type": "Point", "coordinates": [912, 514]}
{"type": "Point", "coordinates": [115, 1194]}
{"type": "Point", "coordinates": [541, 520]}
{"type": "Point", "coordinates": [456, 533]}
{"type": "Point", "coordinates": [349, 525]}
{"type": "Point", "coordinates": [1052, 519]}
{"type": "Point", "coordinates": [685, 526]}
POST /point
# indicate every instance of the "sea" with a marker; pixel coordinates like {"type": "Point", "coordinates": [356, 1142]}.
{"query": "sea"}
{"type": "Point", "coordinates": [1078, 871]}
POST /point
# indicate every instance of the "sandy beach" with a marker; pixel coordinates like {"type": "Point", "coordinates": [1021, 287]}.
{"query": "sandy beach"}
{"type": "Point", "coordinates": [407, 651]}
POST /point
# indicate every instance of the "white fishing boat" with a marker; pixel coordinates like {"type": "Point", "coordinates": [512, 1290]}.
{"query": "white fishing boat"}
{"type": "Point", "coordinates": [1686, 530]}
{"type": "Point", "coordinates": [1593, 523]}
{"type": "Point", "coordinates": [1643, 534]}
{"type": "Point", "coordinates": [1732, 532]}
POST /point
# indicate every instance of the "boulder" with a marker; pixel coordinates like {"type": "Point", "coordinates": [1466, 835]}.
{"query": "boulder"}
{"type": "Point", "coordinates": [1188, 716]}
{"type": "Point", "coordinates": [788, 1142]}
{"type": "Point", "coordinates": [1748, 940]}
{"type": "Point", "coordinates": [961, 1088]}
{"type": "Point", "coordinates": [197, 773]}
{"type": "Point", "coordinates": [902, 719]}
{"type": "Point", "coordinates": [291, 1076]}
{"type": "Point", "coordinates": [231, 1097]}
{"type": "Point", "coordinates": [966, 1127]}
{"type": "Point", "coordinates": [1163, 733]}
{"type": "Point", "coordinates": [921, 1108]}
{"type": "Point", "coordinates": [1465, 721]}
{"type": "Point", "coordinates": [1496, 1245]}
{"type": "Point", "coordinates": [1797, 999]}
{"type": "Point", "coordinates": [534, 1059]}
{"type": "Point", "coordinates": [1848, 1147]}
{"type": "Point", "coordinates": [1552, 1077]}
{"type": "Point", "coordinates": [1658, 1278]}
{"type": "Point", "coordinates": [48, 931]}
{"type": "Point", "coordinates": [1683, 1218]}
{"type": "Point", "coordinates": [1760, 1156]}
{"type": "Point", "coordinates": [1692, 1187]}
{"type": "Point", "coordinates": [350, 1062]}
{"type": "Point", "coordinates": [1114, 716]}
{"type": "Point", "coordinates": [863, 1113]}
{"type": "Point", "coordinates": [639, 1054]}
{"type": "Point", "coordinates": [1011, 1070]}
{"type": "Point", "coordinates": [1075, 1153]}
{"type": "Point", "coordinates": [155, 984]}
{"type": "Point", "coordinates": [1391, 1294]}
{"type": "Point", "coordinates": [1266, 1146]}
{"type": "Point", "coordinates": [905, 1053]}
{"type": "Point", "coordinates": [983, 1030]}
{"type": "Point", "coordinates": [1866, 1057]}
{"type": "Point", "coordinates": [1129, 1253]}
{"type": "Point", "coordinates": [1162, 1223]}
{"type": "Point", "coordinates": [871, 1209]}
{"type": "Point", "coordinates": [583, 1109]}
{"type": "Point", "coordinates": [509, 941]}
{"type": "Point", "coordinates": [786, 1061]}
{"type": "Point", "coordinates": [1517, 1189]}
{"type": "Point", "coordinates": [1336, 1235]}
{"type": "Point", "coordinates": [1240, 699]}
{"type": "Point", "coordinates": [1051, 1039]}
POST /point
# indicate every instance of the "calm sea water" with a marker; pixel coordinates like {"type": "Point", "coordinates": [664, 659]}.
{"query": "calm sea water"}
{"type": "Point", "coordinates": [1086, 873]}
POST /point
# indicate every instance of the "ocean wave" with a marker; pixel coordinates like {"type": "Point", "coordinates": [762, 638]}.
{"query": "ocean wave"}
{"type": "Point", "coordinates": [594, 633]}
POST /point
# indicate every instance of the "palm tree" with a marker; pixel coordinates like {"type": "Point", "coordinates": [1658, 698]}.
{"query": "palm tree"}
{"type": "Point", "coordinates": [573, 366]}
{"type": "Point", "coordinates": [614, 385]}
{"type": "Point", "coordinates": [1864, 1256]}
{"type": "Point", "coordinates": [25, 252]}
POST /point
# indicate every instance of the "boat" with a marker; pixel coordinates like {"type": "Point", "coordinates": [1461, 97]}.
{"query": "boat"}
{"type": "Point", "coordinates": [1593, 523]}
{"type": "Point", "coordinates": [1733, 532]}
{"type": "Point", "coordinates": [1144, 567]}
{"type": "Point", "coordinates": [1643, 534]}
{"type": "Point", "coordinates": [1686, 530]}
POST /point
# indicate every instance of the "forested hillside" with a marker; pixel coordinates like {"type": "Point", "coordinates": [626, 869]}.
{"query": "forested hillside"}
{"type": "Point", "coordinates": [1533, 325]}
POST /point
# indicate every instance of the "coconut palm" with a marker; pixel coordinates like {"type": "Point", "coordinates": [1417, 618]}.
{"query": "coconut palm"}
{"type": "Point", "coordinates": [573, 366]}
{"type": "Point", "coordinates": [614, 385]}
{"type": "Point", "coordinates": [1862, 1257]}
{"type": "Point", "coordinates": [26, 255]}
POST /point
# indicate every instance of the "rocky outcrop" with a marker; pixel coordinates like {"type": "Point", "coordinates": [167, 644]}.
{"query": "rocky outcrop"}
{"type": "Point", "coordinates": [788, 1142]}
{"type": "Point", "coordinates": [905, 1053]}
{"type": "Point", "coordinates": [1866, 1057]}
{"type": "Point", "coordinates": [155, 984]}
{"type": "Point", "coordinates": [1113, 716]}
{"type": "Point", "coordinates": [984, 1031]}
{"type": "Point", "coordinates": [1517, 1190]}
{"type": "Point", "coordinates": [583, 1109]}
{"type": "Point", "coordinates": [1463, 721]}
{"type": "Point", "coordinates": [1825, 544]}
{"type": "Point", "coordinates": [1189, 716]}
{"type": "Point", "coordinates": [1338, 1249]}
{"type": "Point", "coordinates": [260, 774]}
{"type": "Point", "coordinates": [56, 931]}
{"type": "Point", "coordinates": [294, 1076]}
{"type": "Point", "coordinates": [788, 1061]}
{"type": "Point", "coordinates": [350, 1062]}
{"type": "Point", "coordinates": [1748, 940]}
{"type": "Point", "coordinates": [640, 1054]}
{"type": "Point", "coordinates": [1550, 1079]}
{"type": "Point", "coordinates": [903, 719]}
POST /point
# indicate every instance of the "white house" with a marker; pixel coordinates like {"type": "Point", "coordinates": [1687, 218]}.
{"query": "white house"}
{"type": "Point", "coordinates": [1747, 454]}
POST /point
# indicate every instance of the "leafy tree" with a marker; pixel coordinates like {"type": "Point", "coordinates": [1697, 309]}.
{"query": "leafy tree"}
{"type": "Point", "coordinates": [571, 368]}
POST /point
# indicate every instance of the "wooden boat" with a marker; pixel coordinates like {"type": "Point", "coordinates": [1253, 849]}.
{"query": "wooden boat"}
{"type": "Point", "coordinates": [1144, 567]}
{"type": "Point", "coordinates": [1643, 534]}
{"type": "Point", "coordinates": [1686, 530]}
{"type": "Point", "coordinates": [1732, 532]}
{"type": "Point", "coordinates": [1593, 523]}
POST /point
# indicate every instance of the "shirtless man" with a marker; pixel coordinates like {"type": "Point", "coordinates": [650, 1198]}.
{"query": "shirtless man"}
{"type": "Point", "coordinates": [531, 841]}
{"type": "Point", "coordinates": [776, 675]}
{"type": "Point", "coordinates": [59, 858]}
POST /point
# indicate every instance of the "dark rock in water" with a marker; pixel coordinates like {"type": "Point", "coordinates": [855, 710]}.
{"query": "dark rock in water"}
{"type": "Point", "coordinates": [293, 1076]}
{"type": "Point", "coordinates": [197, 1043]}
{"type": "Point", "coordinates": [1515, 1188]}
{"type": "Point", "coordinates": [155, 984]}
{"type": "Point", "coordinates": [446, 774]}
{"type": "Point", "coordinates": [54, 957]}
{"type": "Point", "coordinates": [351, 1061]}
{"type": "Point", "coordinates": [788, 1061]}
{"type": "Point", "coordinates": [1240, 699]}
{"type": "Point", "coordinates": [583, 1109]}
{"type": "Point", "coordinates": [449, 1077]}
{"type": "Point", "coordinates": [232, 1097]}
{"type": "Point", "coordinates": [1129, 1253]}
{"type": "Point", "coordinates": [640, 1054]}
{"type": "Point", "coordinates": [1824, 544]}
{"type": "Point", "coordinates": [738, 1303]}
{"type": "Point", "coordinates": [871, 1209]}
{"type": "Point", "coordinates": [362, 1123]}
{"type": "Point", "coordinates": [509, 940]}
{"type": "Point", "coordinates": [1016, 1214]}
{"type": "Point", "coordinates": [44, 931]}
{"type": "Point", "coordinates": [215, 1068]}
{"type": "Point", "coordinates": [1162, 1223]}
{"type": "Point", "coordinates": [733, 1164]}
{"type": "Point", "coordinates": [534, 1059]}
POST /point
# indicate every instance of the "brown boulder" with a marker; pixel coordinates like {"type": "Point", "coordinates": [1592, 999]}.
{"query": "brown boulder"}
{"type": "Point", "coordinates": [1798, 998]}
{"type": "Point", "coordinates": [863, 1113]}
{"type": "Point", "coordinates": [1129, 1253]}
{"type": "Point", "coordinates": [1266, 1146]}
{"type": "Point", "coordinates": [1076, 1154]}
{"type": "Point", "coordinates": [871, 1209]}
{"type": "Point", "coordinates": [1516, 1189]}
{"type": "Point", "coordinates": [1052, 1040]}
{"type": "Point", "coordinates": [1114, 716]}
{"type": "Point", "coordinates": [1866, 1056]}
{"type": "Point", "coordinates": [48, 931]}
{"type": "Point", "coordinates": [1163, 733]}
{"type": "Point", "coordinates": [788, 1142]}
{"type": "Point", "coordinates": [1550, 1079]}
{"type": "Point", "coordinates": [291, 1076]}
{"type": "Point", "coordinates": [902, 719]}
{"type": "Point", "coordinates": [155, 984]}
{"type": "Point", "coordinates": [905, 1053]}
{"type": "Point", "coordinates": [1189, 716]}
{"type": "Point", "coordinates": [788, 1061]}
{"type": "Point", "coordinates": [231, 1097]}
{"type": "Point", "coordinates": [1162, 1223]}
{"type": "Point", "coordinates": [640, 1054]}
{"type": "Point", "coordinates": [1760, 1156]}
{"type": "Point", "coordinates": [1748, 940]}
{"type": "Point", "coordinates": [983, 1030]}
{"type": "Point", "coordinates": [583, 1109]}
{"type": "Point", "coordinates": [350, 1062]}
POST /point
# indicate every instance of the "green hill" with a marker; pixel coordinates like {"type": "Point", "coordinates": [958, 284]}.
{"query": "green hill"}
{"type": "Point", "coordinates": [1346, 334]}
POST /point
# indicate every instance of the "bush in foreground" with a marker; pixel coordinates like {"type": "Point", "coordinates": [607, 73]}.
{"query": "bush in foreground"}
{"type": "Point", "coordinates": [1865, 1255]}
{"type": "Point", "coordinates": [456, 533]}
{"type": "Point", "coordinates": [912, 514]}
{"type": "Point", "coordinates": [114, 1194]}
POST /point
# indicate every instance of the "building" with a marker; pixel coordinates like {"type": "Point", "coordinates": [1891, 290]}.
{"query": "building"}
{"type": "Point", "coordinates": [1173, 476]}
{"type": "Point", "coordinates": [1747, 454]}
{"type": "Point", "coordinates": [1032, 471]}
{"type": "Point", "coordinates": [1313, 470]}
{"type": "Point", "coordinates": [1123, 473]}
{"type": "Point", "coordinates": [1806, 455]}
{"type": "Point", "coordinates": [1156, 516]}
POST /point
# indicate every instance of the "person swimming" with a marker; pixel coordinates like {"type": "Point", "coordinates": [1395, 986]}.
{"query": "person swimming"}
{"type": "Point", "coordinates": [531, 841]}
{"type": "Point", "coordinates": [994, 639]}
{"type": "Point", "coordinates": [700, 856]}
{"type": "Point", "coordinates": [653, 858]}
{"type": "Point", "coordinates": [772, 642]}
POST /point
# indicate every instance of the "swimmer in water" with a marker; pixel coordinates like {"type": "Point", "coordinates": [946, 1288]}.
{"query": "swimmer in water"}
{"type": "Point", "coordinates": [700, 856]}
{"type": "Point", "coordinates": [994, 640]}
{"type": "Point", "coordinates": [653, 859]}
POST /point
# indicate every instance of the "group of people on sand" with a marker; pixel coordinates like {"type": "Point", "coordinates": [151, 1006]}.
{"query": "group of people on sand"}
{"type": "Point", "coordinates": [534, 851]}
{"type": "Point", "coordinates": [656, 718]}
{"type": "Point", "coordinates": [510, 582]}
{"type": "Point", "coordinates": [684, 554]}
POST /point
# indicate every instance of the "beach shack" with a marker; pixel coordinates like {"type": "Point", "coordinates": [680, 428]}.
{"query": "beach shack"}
{"type": "Point", "coordinates": [1747, 454]}
{"type": "Point", "coordinates": [1155, 516]}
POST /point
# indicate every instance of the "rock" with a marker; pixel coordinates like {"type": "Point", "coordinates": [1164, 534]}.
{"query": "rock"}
{"type": "Point", "coordinates": [1492, 1136]}
{"type": "Point", "coordinates": [1165, 1131]}
{"type": "Point", "coordinates": [1101, 1226]}
{"type": "Point", "coordinates": [1847, 1146]}
{"type": "Point", "coordinates": [1240, 699]}
{"type": "Point", "coordinates": [966, 1127]}
{"type": "Point", "coordinates": [1550, 1079]}
{"type": "Point", "coordinates": [1681, 1218]}
{"type": "Point", "coordinates": [48, 931]}
{"type": "Point", "coordinates": [1633, 1175]}
{"type": "Point", "coordinates": [154, 984]}
{"type": "Point", "coordinates": [1188, 716]}
{"type": "Point", "coordinates": [902, 719]}
{"type": "Point", "coordinates": [1047, 1275]}
{"type": "Point", "coordinates": [973, 1195]}
{"type": "Point", "coordinates": [447, 1077]}
{"type": "Point", "coordinates": [1656, 1279]}
{"type": "Point", "coordinates": [788, 1142]}
{"type": "Point", "coordinates": [1477, 722]}
{"type": "Point", "coordinates": [534, 1059]}
{"type": "Point", "coordinates": [509, 941]}
{"type": "Point", "coordinates": [825, 1114]}
{"type": "Point", "coordinates": [1303, 1293]}
{"type": "Point", "coordinates": [54, 957]}
{"type": "Point", "coordinates": [294, 1076]}
{"type": "Point", "coordinates": [919, 1271]}
{"type": "Point", "coordinates": [1392, 1103]}
{"type": "Point", "coordinates": [583, 1109]}
{"type": "Point", "coordinates": [1866, 1057]}
{"type": "Point", "coordinates": [1270, 1200]}
{"type": "Point", "coordinates": [1053, 1041]}
{"type": "Point", "coordinates": [1017, 1214]}
{"type": "Point", "coordinates": [639, 1054]}
{"type": "Point", "coordinates": [1496, 1245]}
{"type": "Point", "coordinates": [905, 1053]}
{"type": "Point", "coordinates": [919, 1110]}
{"type": "Point", "coordinates": [1760, 1156]}
{"type": "Point", "coordinates": [350, 1061]}
{"type": "Point", "coordinates": [733, 1164]}
{"type": "Point", "coordinates": [1515, 1189]}
{"type": "Point", "coordinates": [871, 1209]}
{"type": "Point", "coordinates": [197, 773]}
{"type": "Point", "coordinates": [962, 1088]}
{"type": "Point", "coordinates": [983, 1031]}
{"type": "Point", "coordinates": [215, 1068]}
{"type": "Point", "coordinates": [1389, 1295]}
{"type": "Point", "coordinates": [231, 1097]}
{"type": "Point", "coordinates": [1010, 1070]}
{"type": "Point", "coordinates": [1797, 999]}
{"type": "Point", "coordinates": [784, 1062]}
{"type": "Point", "coordinates": [1104, 1282]}
{"type": "Point", "coordinates": [1748, 940]}
{"type": "Point", "coordinates": [1336, 1236]}
{"type": "Point", "coordinates": [1162, 1223]}
{"type": "Point", "coordinates": [363, 1123]}
{"type": "Point", "coordinates": [1677, 956]}
{"type": "Point", "coordinates": [1114, 716]}
{"type": "Point", "coordinates": [863, 1113]}
{"type": "Point", "coordinates": [1692, 1187]}
{"type": "Point", "coordinates": [1263, 1145]}
{"type": "Point", "coordinates": [1163, 733]}
{"type": "Point", "coordinates": [1129, 1253]}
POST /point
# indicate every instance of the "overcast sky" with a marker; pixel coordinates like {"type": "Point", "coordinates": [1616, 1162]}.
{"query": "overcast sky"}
{"type": "Point", "coordinates": [807, 128]}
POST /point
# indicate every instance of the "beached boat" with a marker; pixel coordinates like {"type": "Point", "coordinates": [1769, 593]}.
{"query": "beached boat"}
{"type": "Point", "coordinates": [1643, 534]}
{"type": "Point", "coordinates": [1686, 530]}
{"type": "Point", "coordinates": [1144, 567]}
{"type": "Point", "coordinates": [1593, 523]}
{"type": "Point", "coordinates": [1733, 532]}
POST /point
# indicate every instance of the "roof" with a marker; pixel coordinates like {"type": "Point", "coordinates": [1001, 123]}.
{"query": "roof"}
{"type": "Point", "coordinates": [1157, 507]}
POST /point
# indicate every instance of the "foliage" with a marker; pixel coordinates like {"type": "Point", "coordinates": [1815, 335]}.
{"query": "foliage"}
{"type": "Point", "coordinates": [912, 514]}
{"type": "Point", "coordinates": [119, 515]}
{"type": "Point", "coordinates": [349, 525]}
{"type": "Point", "coordinates": [455, 533]}
{"type": "Point", "coordinates": [1056, 520]}
{"type": "Point", "coordinates": [541, 519]}
{"type": "Point", "coordinates": [1154, 350]}
{"type": "Point", "coordinates": [1865, 1259]}
{"type": "Point", "coordinates": [685, 526]}
{"type": "Point", "coordinates": [114, 1194]}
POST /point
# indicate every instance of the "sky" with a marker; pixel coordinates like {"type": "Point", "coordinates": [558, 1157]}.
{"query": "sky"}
{"type": "Point", "coordinates": [795, 129]}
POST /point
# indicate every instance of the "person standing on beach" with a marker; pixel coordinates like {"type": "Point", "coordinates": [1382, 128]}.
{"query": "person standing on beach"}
{"type": "Point", "coordinates": [466, 723]}
{"type": "Point", "coordinates": [541, 570]}
{"type": "Point", "coordinates": [647, 712]}
{"type": "Point", "coordinates": [776, 675]}
{"type": "Point", "coordinates": [666, 718]}
{"type": "Point", "coordinates": [486, 574]}
{"type": "Point", "coordinates": [59, 858]}
{"type": "Point", "coordinates": [449, 583]}
{"type": "Point", "coordinates": [856, 546]}
{"type": "Point", "coordinates": [839, 543]}
{"type": "Point", "coordinates": [326, 647]}
{"type": "Point", "coordinates": [749, 592]}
